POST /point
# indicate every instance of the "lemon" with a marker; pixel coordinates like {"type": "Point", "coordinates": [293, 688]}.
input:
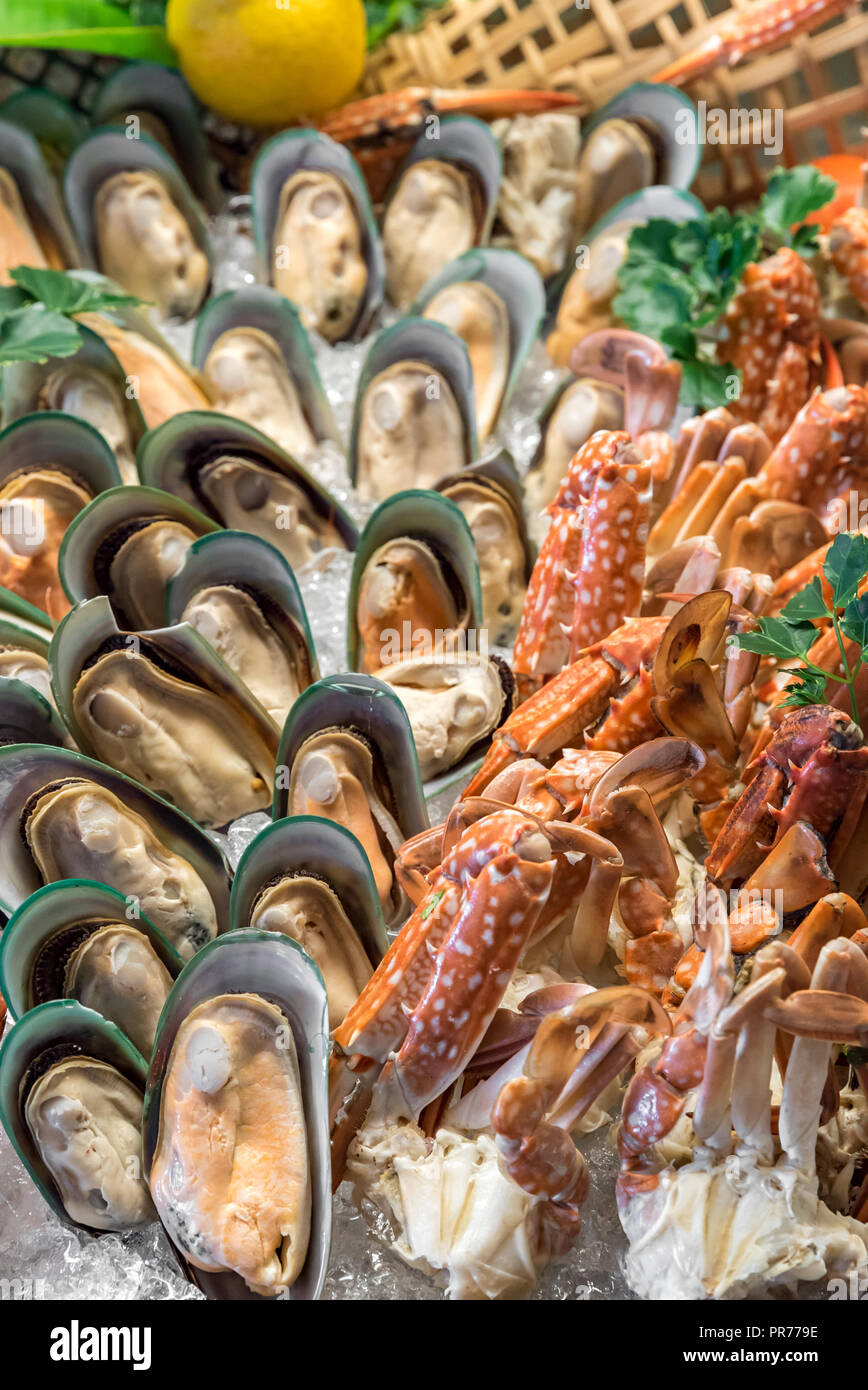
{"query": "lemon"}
{"type": "Point", "coordinates": [268, 62]}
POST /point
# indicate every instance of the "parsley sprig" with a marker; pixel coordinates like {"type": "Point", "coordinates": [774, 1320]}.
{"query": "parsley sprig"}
{"type": "Point", "coordinates": [678, 278]}
{"type": "Point", "coordinates": [791, 635]}
{"type": "Point", "coordinates": [37, 312]}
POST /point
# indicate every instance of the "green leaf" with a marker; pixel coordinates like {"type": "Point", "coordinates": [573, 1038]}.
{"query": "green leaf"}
{"type": "Point", "coordinates": [854, 623]}
{"type": "Point", "coordinates": [845, 566]}
{"type": "Point", "coordinates": [779, 639]}
{"type": "Point", "coordinates": [807, 603]}
{"type": "Point", "coordinates": [66, 293]}
{"type": "Point", "coordinates": [707, 384]}
{"type": "Point", "coordinates": [90, 25]}
{"type": "Point", "coordinates": [431, 904]}
{"type": "Point", "coordinates": [809, 689]}
{"type": "Point", "coordinates": [856, 1056]}
{"type": "Point", "coordinates": [34, 335]}
{"type": "Point", "coordinates": [385, 16]}
{"type": "Point", "coordinates": [791, 196]}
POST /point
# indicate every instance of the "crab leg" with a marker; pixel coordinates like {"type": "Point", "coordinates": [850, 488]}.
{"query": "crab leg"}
{"type": "Point", "coordinates": [611, 571]}
{"type": "Point", "coordinates": [748, 31]}
{"type": "Point", "coordinates": [508, 874]}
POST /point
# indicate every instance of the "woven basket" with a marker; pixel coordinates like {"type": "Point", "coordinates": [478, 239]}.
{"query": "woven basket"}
{"type": "Point", "coordinates": [593, 48]}
{"type": "Point", "coordinates": [596, 47]}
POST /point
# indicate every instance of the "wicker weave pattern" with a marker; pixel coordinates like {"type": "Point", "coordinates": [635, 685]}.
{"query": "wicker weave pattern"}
{"type": "Point", "coordinates": [819, 82]}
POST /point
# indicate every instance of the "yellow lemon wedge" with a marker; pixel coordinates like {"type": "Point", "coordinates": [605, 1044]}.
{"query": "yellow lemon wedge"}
{"type": "Point", "coordinates": [269, 62]}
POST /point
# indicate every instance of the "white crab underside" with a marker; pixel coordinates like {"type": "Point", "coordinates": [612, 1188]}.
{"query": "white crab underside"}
{"type": "Point", "coordinates": [732, 1229]}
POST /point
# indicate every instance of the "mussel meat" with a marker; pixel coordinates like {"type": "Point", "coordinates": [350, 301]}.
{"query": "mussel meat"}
{"type": "Point", "coordinates": [231, 1172]}
{"type": "Point", "coordinates": [334, 775]}
{"type": "Point", "coordinates": [85, 1120]}
{"type": "Point", "coordinates": [318, 257]}
{"type": "Point", "coordinates": [36, 507]}
{"type": "Point", "coordinates": [452, 704]}
{"type": "Point", "coordinates": [75, 828]}
{"type": "Point", "coordinates": [407, 599]}
{"type": "Point", "coordinates": [248, 377]}
{"type": "Point", "coordinates": [145, 243]}
{"type": "Point", "coordinates": [83, 390]}
{"type": "Point", "coordinates": [19, 244]}
{"type": "Point", "coordinates": [480, 318]}
{"type": "Point", "coordinates": [411, 431]}
{"type": "Point", "coordinates": [430, 220]}
{"type": "Point", "coordinates": [234, 623]}
{"type": "Point", "coordinates": [164, 386]}
{"type": "Point", "coordinates": [500, 549]}
{"type": "Point", "coordinates": [248, 496]}
{"type": "Point", "coordinates": [155, 721]}
{"type": "Point", "coordinates": [308, 909]}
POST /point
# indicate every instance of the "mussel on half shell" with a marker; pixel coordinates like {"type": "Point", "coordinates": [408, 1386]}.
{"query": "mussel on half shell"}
{"type": "Point", "coordinates": [442, 204]}
{"type": "Point", "coordinates": [139, 222]}
{"type": "Point", "coordinates": [241, 1053]}
{"type": "Point", "coordinates": [453, 703]}
{"type": "Point", "coordinates": [315, 232]}
{"type": "Point", "coordinates": [243, 480]}
{"type": "Point", "coordinates": [163, 708]}
{"type": "Point", "coordinates": [71, 1094]}
{"type": "Point", "coordinates": [51, 466]}
{"type": "Point", "coordinates": [256, 357]}
{"type": "Point", "coordinates": [347, 755]}
{"type": "Point", "coordinates": [241, 596]}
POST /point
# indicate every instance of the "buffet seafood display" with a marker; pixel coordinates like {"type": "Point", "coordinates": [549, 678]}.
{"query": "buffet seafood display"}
{"type": "Point", "coordinates": [573, 838]}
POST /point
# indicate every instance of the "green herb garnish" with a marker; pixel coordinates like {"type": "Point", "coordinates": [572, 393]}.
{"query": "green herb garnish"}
{"type": "Point", "coordinates": [678, 278]}
{"type": "Point", "coordinates": [791, 635]}
{"type": "Point", "coordinates": [37, 312]}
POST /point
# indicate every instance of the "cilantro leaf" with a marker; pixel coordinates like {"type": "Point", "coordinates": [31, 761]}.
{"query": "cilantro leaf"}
{"type": "Point", "coordinates": [809, 689]}
{"type": "Point", "coordinates": [791, 196]}
{"type": "Point", "coordinates": [707, 384]}
{"type": "Point", "coordinates": [34, 335]}
{"type": "Point", "coordinates": [807, 603]}
{"type": "Point", "coordinates": [68, 294]}
{"type": "Point", "coordinates": [845, 566]}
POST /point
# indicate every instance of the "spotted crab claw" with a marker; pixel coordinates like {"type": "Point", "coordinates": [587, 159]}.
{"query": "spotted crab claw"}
{"type": "Point", "coordinates": [814, 772]}
{"type": "Point", "coordinates": [598, 526]}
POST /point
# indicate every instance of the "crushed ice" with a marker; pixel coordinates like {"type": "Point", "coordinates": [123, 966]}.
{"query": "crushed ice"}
{"type": "Point", "coordinates": [55, 1262]}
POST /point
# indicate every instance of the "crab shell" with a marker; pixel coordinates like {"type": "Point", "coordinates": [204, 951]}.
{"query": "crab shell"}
{"type": "Point", "coordinates": [90, 384]}
{"type": "Point", "coordinates": [138, 221]}
{"type": "Point", "coordinates": [242, 597]}
{"type": "Point", "coordinates": [79, 939]}
{"type": "Point", "coordinates": [311, 879]}
{"type": "Point", "coordinates": [106, 682]}
{"type": "Point", "coordinates": [128, 544]}
{"type": "Point", "coordinates": [415, 582]}
{"type": "Point", "coordinates": [494, 300]}
{"type": "Point", "coordinates": [34, 229]}
{"type": "Point", "coordinates": [51, 466]}
{"type": "Point", "coordinates": [283, 1167]}
{"type": "Point", "coordinates": [63, 1060]}
{"type": "Point", "coordinates": [243, 480]}
{"type": "Point", "coordinates": [256, 356]}
{"type": "Point", "coordinates": [347, 754]}
{"type": "Point", "coordinates": [316, 238]}
{"type": "Point", "coordinates": [442, 204]}
{"type": "Point", "coordinates": [162, 853]}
